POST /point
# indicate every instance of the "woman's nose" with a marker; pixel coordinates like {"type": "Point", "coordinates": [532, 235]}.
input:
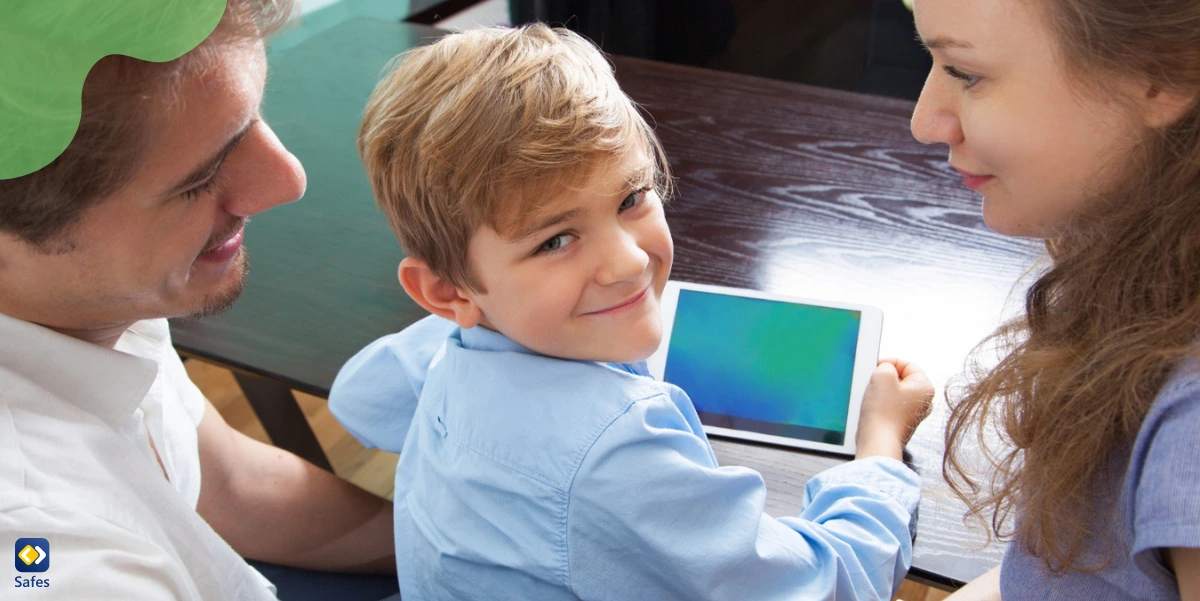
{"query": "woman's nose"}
{"type": "Point", "coordinates": [935, 118]}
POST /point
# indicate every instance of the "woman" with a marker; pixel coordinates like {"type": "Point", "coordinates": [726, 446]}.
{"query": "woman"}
{"type": "Point", "coordinates": [1078, 122]}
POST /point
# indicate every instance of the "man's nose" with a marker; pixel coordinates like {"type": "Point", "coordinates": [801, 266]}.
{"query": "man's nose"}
{"type": "Point", "coordinates": [263, 174]}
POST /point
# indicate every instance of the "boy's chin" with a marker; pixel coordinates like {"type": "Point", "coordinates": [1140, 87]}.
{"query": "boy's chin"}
{"type": "Point", "coordinates": [638, 345]}
{"type": "Point", "coordinates": [636, 354]}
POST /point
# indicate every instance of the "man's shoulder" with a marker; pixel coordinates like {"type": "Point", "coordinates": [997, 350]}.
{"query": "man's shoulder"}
{"type": "Point", "coordinates": [54, 454]}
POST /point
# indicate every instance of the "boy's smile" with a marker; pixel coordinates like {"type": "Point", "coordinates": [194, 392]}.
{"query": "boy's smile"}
{"type": "Point", "coordinates": [585, 280]}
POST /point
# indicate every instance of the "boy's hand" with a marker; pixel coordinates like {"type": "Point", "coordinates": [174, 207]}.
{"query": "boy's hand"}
{"type": "Point", "coordinates": [898, 397]}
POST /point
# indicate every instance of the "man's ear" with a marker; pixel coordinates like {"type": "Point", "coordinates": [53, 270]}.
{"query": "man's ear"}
{"type": "Point", "coordinates": [437, 295]}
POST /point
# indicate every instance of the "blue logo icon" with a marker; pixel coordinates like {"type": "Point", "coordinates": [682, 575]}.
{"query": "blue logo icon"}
{"type": "Point", "coordinates": [32, 554]}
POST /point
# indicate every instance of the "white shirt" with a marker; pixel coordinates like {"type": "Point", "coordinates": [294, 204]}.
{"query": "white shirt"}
{"type": "Point", "coordinates": [77, 468]}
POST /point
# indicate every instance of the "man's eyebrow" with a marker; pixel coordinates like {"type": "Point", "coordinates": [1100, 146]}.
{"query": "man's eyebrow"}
{"type": "Point", "coordinates": [943, 42]}
{"type": "Point", "coordinates": [208, 167]}
{"type": "Point", "coordinates": [529, 230]}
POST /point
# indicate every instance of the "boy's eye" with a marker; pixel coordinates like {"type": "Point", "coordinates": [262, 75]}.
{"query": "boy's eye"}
{"type": "Point", "coordinates": [557, 243]}
{"type": "Point", "coordinates": [970, 80]}
{"type": "Point", "coordinates": [632, 200]}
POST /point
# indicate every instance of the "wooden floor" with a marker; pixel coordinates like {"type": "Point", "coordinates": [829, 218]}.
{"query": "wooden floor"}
{"type": "Point", "coordinates": [371, 469]}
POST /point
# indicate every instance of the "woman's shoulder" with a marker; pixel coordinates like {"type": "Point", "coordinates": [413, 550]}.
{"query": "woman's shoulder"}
{"type": "Point", "coordinates": [1175, 413]}
{"type": "Point", "coordinates": [1169, 428]}
{"type": "Point", "coordinates": [1182, 384]}
{"type": "Point", "coordinates": [1157, 509]}
{"type": "Point", "coordinates": [1163, 478]}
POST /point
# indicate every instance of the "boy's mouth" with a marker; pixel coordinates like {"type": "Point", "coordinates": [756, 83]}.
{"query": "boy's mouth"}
{"type": "Point", "coordinates": [625, 304]}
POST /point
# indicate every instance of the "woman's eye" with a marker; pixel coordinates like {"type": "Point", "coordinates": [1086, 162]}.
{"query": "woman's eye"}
{"type": "Point", "coordinates": [970, 80]}
{"type": "Point", "coordinates": [556, 243]}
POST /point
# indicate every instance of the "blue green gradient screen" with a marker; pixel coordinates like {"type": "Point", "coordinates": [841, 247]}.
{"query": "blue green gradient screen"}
{"type": "Point", "coordinates": [765, 366]}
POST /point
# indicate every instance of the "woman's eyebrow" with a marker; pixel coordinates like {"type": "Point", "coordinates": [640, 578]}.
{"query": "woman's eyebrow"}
{"type": "Point", "coordinates": [943, 42]}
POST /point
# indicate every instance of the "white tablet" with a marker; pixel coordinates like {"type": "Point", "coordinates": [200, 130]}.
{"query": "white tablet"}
{"type": "Point", "coordinates": [769, 368]}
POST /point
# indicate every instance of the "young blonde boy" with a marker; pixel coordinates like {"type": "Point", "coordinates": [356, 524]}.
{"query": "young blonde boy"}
{"type": "Point", "coordinates": [541, 462]}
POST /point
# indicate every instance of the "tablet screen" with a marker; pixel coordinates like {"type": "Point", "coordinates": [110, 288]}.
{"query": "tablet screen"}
{"type": "Point", "coordinates": [765, 366]}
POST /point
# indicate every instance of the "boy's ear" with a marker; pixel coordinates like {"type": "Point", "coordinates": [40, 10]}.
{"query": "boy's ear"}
{"type": "Point", "coordinates": [437, 295]}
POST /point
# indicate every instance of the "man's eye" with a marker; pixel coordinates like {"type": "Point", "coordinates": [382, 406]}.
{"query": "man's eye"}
{"type": "Point", "coordinates": [204, 188]}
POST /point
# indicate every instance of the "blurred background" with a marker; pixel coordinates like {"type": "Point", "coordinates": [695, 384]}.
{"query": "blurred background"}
{"type": "Point", "coordinates": [865, 46]}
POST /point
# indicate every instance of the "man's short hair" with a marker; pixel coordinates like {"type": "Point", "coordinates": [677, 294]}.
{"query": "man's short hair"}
{"type": "Point", "coordinates": [122, 97]}
{"type": "Point", "coordinates": [486, 127]}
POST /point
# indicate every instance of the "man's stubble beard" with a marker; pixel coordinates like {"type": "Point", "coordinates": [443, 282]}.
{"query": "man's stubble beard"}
{"type": "Point", "coordinates": [220, 302]}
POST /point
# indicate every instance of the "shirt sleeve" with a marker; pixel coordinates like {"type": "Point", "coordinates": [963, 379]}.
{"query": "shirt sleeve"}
{"type": "Point", "coordinates": [651, 516]}
{"type": "Point", "coordinates": [91, 559]}
{"type": "Point", "coordinates": [375, 393]}
{"type": "Point", "coordinates": [1167, 494]}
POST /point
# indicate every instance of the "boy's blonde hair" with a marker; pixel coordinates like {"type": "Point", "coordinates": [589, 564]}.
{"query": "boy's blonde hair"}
{"type": "Point", "coordinates": [465, 132]}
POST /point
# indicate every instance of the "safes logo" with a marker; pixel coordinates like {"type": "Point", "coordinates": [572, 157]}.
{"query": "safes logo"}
{"type": "Point", "coordinates": [33, 554]}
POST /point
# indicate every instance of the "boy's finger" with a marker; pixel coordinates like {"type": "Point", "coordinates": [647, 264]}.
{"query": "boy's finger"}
{"type": "Point", "coordinates": [886, 368]}
{"type": "Point", "coordinates": [901, 364]}
{"type": "Point", "coordinates": [910, 370]}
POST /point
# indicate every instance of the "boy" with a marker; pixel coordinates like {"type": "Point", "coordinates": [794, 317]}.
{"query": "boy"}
{"type": "Point", "coordinates": [541, 461]}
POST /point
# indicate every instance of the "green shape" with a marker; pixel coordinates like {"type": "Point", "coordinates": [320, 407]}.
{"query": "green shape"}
{"type": "Point", "coordinates": [47, 48]}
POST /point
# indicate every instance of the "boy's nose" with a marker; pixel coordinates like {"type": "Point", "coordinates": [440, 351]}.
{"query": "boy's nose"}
{"type": "Point", "coordinates": [625, 260]}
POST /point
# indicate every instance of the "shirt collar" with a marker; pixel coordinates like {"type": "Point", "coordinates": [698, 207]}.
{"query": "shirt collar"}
{"type": "Point", "coordinates": [480, 338]}
{"type": "Point", "coordinates": [107, 383]}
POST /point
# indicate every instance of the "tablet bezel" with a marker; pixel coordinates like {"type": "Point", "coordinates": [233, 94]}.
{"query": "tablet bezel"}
{"type": "Point", "coordinates": [866, 357]}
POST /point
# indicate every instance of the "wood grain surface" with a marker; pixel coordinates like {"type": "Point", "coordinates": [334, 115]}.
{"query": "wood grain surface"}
{"type": "Point", "coordinates": [825, 194]}
{"type": "Point", "coordinates": [781, 187]}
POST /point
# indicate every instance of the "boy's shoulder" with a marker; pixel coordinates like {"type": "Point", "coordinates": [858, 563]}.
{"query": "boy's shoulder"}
{"type": "Point", "coordinates": [536, 414]}
{"type": "Point", "coordinates": [477, 379]}
{"type": "Point", "coordinates": [531, 375]}
{"type": "Point", "coordinates": [375, 393]}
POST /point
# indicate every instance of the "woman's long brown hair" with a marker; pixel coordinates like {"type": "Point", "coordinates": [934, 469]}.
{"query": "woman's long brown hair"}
{"type": "Point", "coordinates": [1115, 312]}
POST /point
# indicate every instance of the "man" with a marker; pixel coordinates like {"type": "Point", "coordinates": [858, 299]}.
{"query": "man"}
{"type": "Point", "coordinates": [109, 453]}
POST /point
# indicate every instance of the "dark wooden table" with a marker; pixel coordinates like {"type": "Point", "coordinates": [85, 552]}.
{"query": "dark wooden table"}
{"type": "Point", "coordinates": [782, 187]}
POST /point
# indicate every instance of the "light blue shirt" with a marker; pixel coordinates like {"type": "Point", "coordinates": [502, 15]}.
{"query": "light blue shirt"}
{"type": "Point", "coordinates": [529, 477]}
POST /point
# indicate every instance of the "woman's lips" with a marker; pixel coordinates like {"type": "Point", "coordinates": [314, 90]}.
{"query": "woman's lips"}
{"type": "Point", "coordinates": [224, 251]}
{"type": "Point", "coordinates": [974, 181]}
{"type": "Point", "coordinates": [627, 304]}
